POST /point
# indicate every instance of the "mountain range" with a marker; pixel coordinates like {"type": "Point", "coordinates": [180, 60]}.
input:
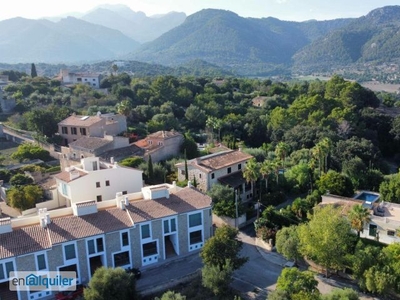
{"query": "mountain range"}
{"type": "Point", "coordinates": [217, 38]}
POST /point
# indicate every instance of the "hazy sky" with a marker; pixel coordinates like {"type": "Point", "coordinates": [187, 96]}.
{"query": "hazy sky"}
{"type": "Point", "coordinates": [296, 10]}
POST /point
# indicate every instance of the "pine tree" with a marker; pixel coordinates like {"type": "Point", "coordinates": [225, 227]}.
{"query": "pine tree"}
{"type": "Point", "coordinates": [33, 71]}
{"type": "Point", "coordinates": [150, 172]}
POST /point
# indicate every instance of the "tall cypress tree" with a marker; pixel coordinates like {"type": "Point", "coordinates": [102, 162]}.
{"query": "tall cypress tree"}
{"type": "Point", "coordinates": [194, 181]}
{"type": "Point", "coordinates": [33, 71]}
{"type": "Point", "coordinates": [150, 172]}
{"type": "Point", "coordinates": [186, 168]}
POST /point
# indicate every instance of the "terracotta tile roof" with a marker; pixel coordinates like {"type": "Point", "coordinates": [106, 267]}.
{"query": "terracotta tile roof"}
{"type": "Point", "coordinates": [141, 143]}
{"type": "Point", "coordinates": [64, 175]}
{"type": "Point", "coordinates": [71, 228]}
{"type": "Point", "coordinates": [186, 200]}
{"type": "Point", "coordinates": [89, 143]}
{"type": "Point", "coordinates": [221, 160]}
{"type": "Point", "coordinates": [24, 240]}
{"type": "Point", "coordinates": [80, 121]}
{"type": "Point", "coordinates": [164, 134]}
{"type": "Point", "coordinates": [63, 229]}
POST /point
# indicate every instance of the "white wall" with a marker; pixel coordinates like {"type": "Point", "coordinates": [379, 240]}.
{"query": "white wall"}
{"type": "Point", "coordinates": [121, 179]}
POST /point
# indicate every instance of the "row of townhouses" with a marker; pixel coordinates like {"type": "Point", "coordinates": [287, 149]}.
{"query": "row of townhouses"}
{"type": "Point", "coordinates": [133, 230]}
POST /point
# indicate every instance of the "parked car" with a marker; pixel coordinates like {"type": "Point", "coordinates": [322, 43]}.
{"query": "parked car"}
{"type": "Point", "coordinates": [135, 271]}
{"type": "Point", "coordinates": [70, 295]}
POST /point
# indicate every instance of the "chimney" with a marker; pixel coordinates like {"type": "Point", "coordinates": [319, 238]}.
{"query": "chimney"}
{"type": "Point", "coordinates": [5, 225]}
{"type": "Point", "coordinates": [84, 208]}
{"type": "Point", "coordinates": [112, 159]}
{"type": "Point", "coordinates": [43, 222]}
{"type": "Point", "coordinates": [190, 184]}
{"type": "Point", "coordinates": [47, 218]}
{"type": "Point", "coordinates": [174, 183]}
{"type": "Point", "coordinates": [122, 204]}
{"type": "Point", "coordinates": [126, 202]}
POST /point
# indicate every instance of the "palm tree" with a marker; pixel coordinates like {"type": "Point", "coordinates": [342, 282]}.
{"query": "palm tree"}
{"type": "Point", "coordinates": [282, 150]}
{"type": "Point", "coordinates": [359, 216]}
{"type": "Point", "coordinates": [317, 153]}
{"type": "Point", "coordinates": [251, 173]}
{"type": "Point", "coordinates": [326, 145]}
{"type": "Point", "coordinates": [266, 169]}
{"type": "Point", "coordinates": [276, 167]}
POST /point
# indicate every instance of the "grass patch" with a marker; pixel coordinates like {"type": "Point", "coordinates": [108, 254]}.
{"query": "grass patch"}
{"type": "Point", "coordinates": [6, 149]}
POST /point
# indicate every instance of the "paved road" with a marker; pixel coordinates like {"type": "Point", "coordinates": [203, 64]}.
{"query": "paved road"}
{"type": "Point", "coordinates": [253, 279]}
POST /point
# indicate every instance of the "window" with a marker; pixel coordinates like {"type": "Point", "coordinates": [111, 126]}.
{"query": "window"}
{"type": "Point", "coordinates": [64, 130]}
{"type": "Point", "coordinates": [95, 245]}
{"type": "Point", "coordinates": [170, 225]}
{"type": "Point", "coordinates": [79, 79]}
{"type": "Point", "coordinates": [239, 166]}
{"type": "Point", "coordinates": [160, 143]}
{"type": "Point", "coordinates": [91, 248]}
{"type": "Point", "coordinates": [64, 189]}
{"type": "Point", "coordinates": [94, 79]}
{"type": "Point", "coordinates": [200, 175]}
{"type": "Point", "coordinates": [183, 172]}
{"type": "Point", "coordinates": [99, 198]}
{"type": "Point", "coordinates": [94, 166]}
{"type": "Point", "coordinates": [73, 131]}
{"type": "Point", "coordinates": [99, 244]}
{"type": "Point", "coordinates": [5, 269]}
{"type": "Point", "coordinates": [229, 170]}
{"type": "Point", "coordinates": [195, 220]}
{"type": "Point", "coordinates": [124, 192]}
{"type": "Point", "coordinates": [149, 249]}
{"type": "Point", "coordinates": [97, 184]}
{"type": "Point", "coordinates": [145, 231]}
{"type": "Point", "coordinates": [212, 175]}
{"type": "Point", "coordinates": [69, 251]}
{"type": "Point", "coordinates": [85, 79]}
{"type": "Point", "coordinates": [41, 262]}
{"type": "Point", "coordinates": [121, 259]}
{"type": "Point", "coordinates": [391, 232]}
{"type": "Point", "coordinates": [125, 239]}
{"type": "Point", "coordinates": [196, 237]}
{"type": "Point", "coordinates": [107, 182]}
{"type": "Point", "coordinates": [372, 230]}
{"type": "Point", "coordinates": [82, 131]}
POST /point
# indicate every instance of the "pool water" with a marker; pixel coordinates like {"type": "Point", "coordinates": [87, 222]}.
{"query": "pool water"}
{"type": "Point", "coordinates": [367, 197]}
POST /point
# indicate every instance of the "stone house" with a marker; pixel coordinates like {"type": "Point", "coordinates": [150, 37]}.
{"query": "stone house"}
{"type": "Point", "coordinates": [161, 145]}
{"type": "Point", "coordinates": [222, 167]}
{"type": "Point", "coordinates": [75, 127]}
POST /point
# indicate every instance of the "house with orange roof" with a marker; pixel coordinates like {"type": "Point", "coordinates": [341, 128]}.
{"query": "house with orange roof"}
{"type": "Point", "coordinates": [156, 225]}
{"type": "Point", "coordinates": [223, 167]}
{"type": "Point", "coordinates": [161, 145]}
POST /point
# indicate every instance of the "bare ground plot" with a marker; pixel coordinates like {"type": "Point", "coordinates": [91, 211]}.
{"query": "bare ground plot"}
{"type": "Point", "coordinates": [6, 149]}
{"type": "Point", "coordinates": [381, 87]}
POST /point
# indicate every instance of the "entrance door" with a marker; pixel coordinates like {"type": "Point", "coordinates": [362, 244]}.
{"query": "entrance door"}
{"type": "Point", "coordinates": [372, 229]}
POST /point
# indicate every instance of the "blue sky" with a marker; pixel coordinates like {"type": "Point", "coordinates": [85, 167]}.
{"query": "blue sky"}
{"type": "Point", "coordinates": [295, 10]}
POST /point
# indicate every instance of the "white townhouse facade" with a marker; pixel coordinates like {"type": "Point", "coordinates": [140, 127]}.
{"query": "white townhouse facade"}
{"type": "Point", "coordinates": [96, 180]}
{"type": "Point", "coordinates": [137, 230]}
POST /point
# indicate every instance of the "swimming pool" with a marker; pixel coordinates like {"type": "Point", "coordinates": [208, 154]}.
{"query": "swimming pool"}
{"type": "Point", "coordinates": [367, 196]}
